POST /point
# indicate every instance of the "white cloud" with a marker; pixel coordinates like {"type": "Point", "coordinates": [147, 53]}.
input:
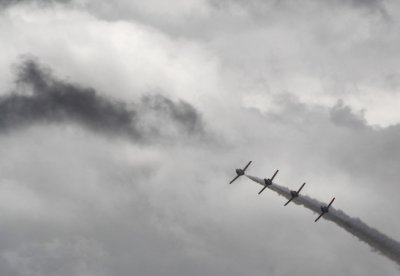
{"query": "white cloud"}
{"type": "Point", "coordinates": [122, 59]}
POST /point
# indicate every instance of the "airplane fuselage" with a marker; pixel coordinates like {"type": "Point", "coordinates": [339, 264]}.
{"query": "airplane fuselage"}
{"type": "Point", "coordinates": [324, 210]}
{"type": "Point", "coordinates": [267, 181]}
{"type": "Point", "coordinates": [294, 194]}
{"type": "Point", "coordinates": [239, 172]}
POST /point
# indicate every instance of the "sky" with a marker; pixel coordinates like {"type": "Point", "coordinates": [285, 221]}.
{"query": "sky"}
{"type": "Point", "coordinates": [122, 123]}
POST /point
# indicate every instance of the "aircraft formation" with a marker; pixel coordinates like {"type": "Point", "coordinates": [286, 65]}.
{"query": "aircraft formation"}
{"type": "Point", "coordinates": [294, 194]}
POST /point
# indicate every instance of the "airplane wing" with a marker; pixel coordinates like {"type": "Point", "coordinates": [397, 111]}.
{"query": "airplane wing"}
{"type": "Point", "coordinates": [234, 179]}
{"type": "Point", "coordinates": [319, 217]}
{"type": "Point", "coordinates": [288, 201]}
{"type": "Point", "coordinates": [263, 189]}
{"type": "Point", "coordinates": [329, 205]}
{"type": "Point", "coordinates": [272, 178]}
{"type": "Point", "coordinates": [248, 164]}
{"type": "Point", "coordinates": [301, 187]}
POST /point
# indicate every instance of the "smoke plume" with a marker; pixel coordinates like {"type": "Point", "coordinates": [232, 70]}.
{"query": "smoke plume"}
{"type": "Point", "coordinates": [378, 241]}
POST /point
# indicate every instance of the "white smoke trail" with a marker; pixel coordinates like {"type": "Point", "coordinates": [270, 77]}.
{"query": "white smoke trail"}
{"type": "Point", "coordinates": [378, 241]}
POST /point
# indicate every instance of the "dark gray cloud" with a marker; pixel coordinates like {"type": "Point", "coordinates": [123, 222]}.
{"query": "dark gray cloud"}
{"type": "Point", "coordinates": [6, 3]}
{"type": "Point", "coordinates": [181, 112]}
{"type": "Point", "coordinates": [41, 98]}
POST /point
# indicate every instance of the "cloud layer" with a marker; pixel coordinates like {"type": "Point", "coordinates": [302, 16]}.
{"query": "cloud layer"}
{"type": "Point", "coordinates": [7, 3]}
{"type": "Point", "coordinates": [106, 160]}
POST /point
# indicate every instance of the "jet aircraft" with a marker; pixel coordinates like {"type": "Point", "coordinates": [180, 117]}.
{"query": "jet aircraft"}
{"type": "Point", "coordinates": [295, 194]}
{"type": "Point", "coordinates": [325, 209]}
{"type": "Point", "coordinates": [268, 181]}
{"type": "Point", "coordinates": [240, 172]}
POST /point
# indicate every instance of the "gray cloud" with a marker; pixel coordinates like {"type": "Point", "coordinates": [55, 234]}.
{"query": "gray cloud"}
{"type": "Point", "coordinates": [78, 256]}
{"type": "Point", "coordinates": [365, 151]}
{"type": "Point", "coordinates": [6, 3]}
{"type": "Point", "coordinates": [182, 211]}
{"type": "Point", "coordinates": [183, 113]}
{"type": "Point", "coordinates": [41, 98]}
{"type": "Point", "coordinates": [343, 115]}
{"type": "Point", "coordinates": [116, 207]}
{"type": "Point", "coordinates": [268, 5]}
{"type": "Point", "coordinates": [376, 4]}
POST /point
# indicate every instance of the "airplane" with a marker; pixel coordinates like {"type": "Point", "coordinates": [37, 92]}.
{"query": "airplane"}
{"type": "Point", "coordinates": [295, 194]}
{"type": "Point", "coordinates": [240, 172]}
{"type": "Point", "coordinates": [325, 209]}
{"type": "Point", "coordinates": [268, 181]}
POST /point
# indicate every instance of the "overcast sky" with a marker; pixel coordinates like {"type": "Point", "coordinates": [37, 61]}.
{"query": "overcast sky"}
{"type": "Point", "coordinates": [121, 124]}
